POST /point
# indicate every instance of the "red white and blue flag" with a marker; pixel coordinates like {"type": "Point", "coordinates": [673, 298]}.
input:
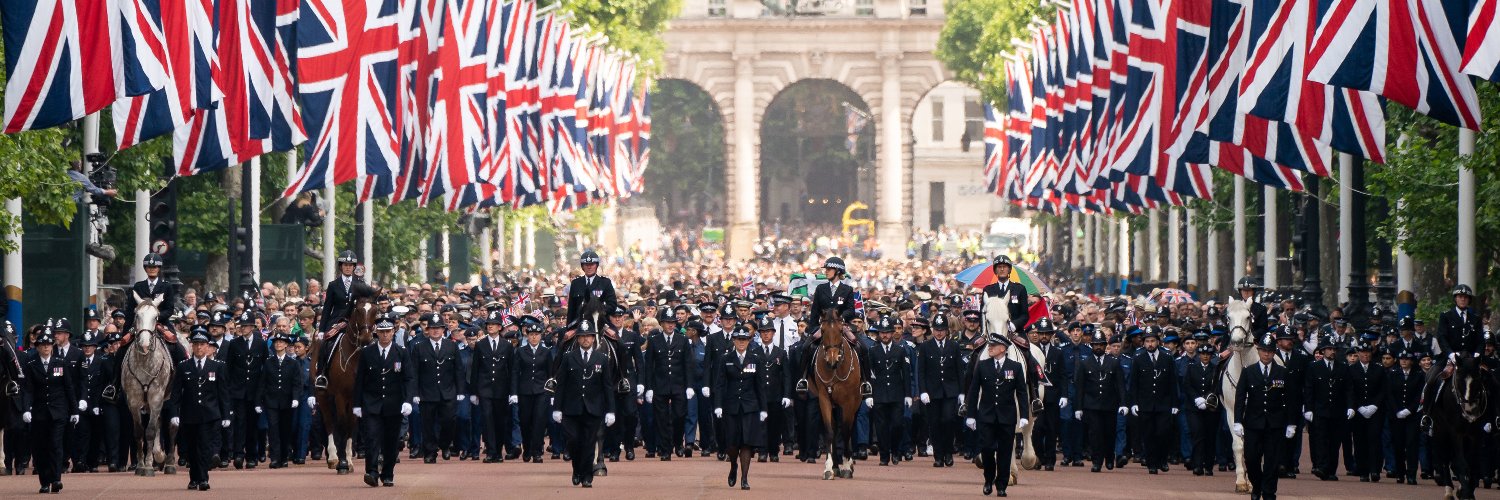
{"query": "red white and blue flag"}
{"type": "Point", "coordinates": [1482, 48]}
{"type": "Point", "coordinates": [187, 55]}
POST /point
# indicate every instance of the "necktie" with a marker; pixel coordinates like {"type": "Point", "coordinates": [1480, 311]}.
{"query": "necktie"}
{"type": "Point", "coordinates": [494, 346]}
{"type": "Point", "coordinates": [742, 358]}
{"type": "Point", "coordinates": [200, 364]}
{"type": "Point", "coordinates": [1329, 364]}
{"type": "Point", "coordinates": [1265, 370]}
{"type": "Point", "coordinates": [383, 350]}
{"type": "Point", "coordinates": [1153, 358]}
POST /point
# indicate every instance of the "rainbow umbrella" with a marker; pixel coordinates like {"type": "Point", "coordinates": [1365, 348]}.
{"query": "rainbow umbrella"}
{"type": "Point", "coordinates": [981, 275]}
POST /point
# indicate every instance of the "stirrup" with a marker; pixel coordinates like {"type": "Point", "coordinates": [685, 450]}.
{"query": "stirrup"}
{"type": "Point", "coordinates": [550, 385]}
{"type": "Point", "coordinates": [865, 390]}
{"type": "Point", "coordinates": [1037, 407]}
{"type": "Point", "coordinates": [802, 387]}
{"type": "Point", "coordinates": [12, 388]}
{"type": "Point", "coordinates": [321, 382]}
{"type": "Point", "coordinates": [1426, 424]}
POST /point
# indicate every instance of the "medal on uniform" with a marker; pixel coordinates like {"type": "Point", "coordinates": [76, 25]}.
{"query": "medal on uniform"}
{"type": "Point", "coordinates": [57, 371]}
{"type": "Point", "coordinates": [1010, 374]}
{"type": "Point", "coordinates": [398, 367]}
{"type": "Point", "coordinates": [750, 368]}
{"type": "Point", "coordinates": [598, 293]}
{"type": "Point", "coordinates": [212, 376]}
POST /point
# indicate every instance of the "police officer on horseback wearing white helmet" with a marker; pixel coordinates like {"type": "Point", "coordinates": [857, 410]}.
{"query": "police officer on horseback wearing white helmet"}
{"type": "Point", "coordinates": [834, 294]}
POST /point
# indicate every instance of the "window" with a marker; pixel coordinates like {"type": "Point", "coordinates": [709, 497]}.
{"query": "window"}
{"type": "Point", "coordinates": [937, 119]}
{"type": "Point", "coordinates": [937, 202]}
{"type": "Point", "coordinates": [917, 7]}
{"type": "Point", "coordinates": [716, 8]}
{"type": "Point", "coordinates": [973, 118]}
{"type": "Point", "coordinates": [864, 8]}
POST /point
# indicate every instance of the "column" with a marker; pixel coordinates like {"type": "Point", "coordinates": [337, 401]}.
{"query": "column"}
{"type": "Point", "coordinates": [1214, 285]}
{"type": "Point", "coordinates": [1268, 228]}
{"type": "Point", "coordinates": [330, 246]}
{"type": "Point", "coordinates": [90, 146]}
{"type": "Point", "coordinates": [1123, 268]}
{"type": "Point", "coordinates": [1193, 285]}
{"type": "Point", "coordinates": [13, 267]}
{"type": "Point", "coordinates": [1153, 244]}
{"type": "Point", "coordinates": [142, 233]}
{"type": "Point", "coordinates": [1239, 242]}
{"type": "Point", "coordinates": [1404, 262]}
{"type": "Point", "coordinates": [891, 229]}
{"type": "Point", "coordinates": [515, 244]}
{"type": "Point", "coordinates": [531, 242]}
{"type": "Point", "coordinates": [485, 236]}
{"type": "Point", "coordinates": [1346, 224]}
{"type": "Point", "coordinates": [253, 209]}
{"type": "Point", "coordinates": [443, 255]}
{"type": "Point", "coordinates": [367, 238]}
{"type": "Point", "coordinates": [1140, 270]}
{"type": "Point", "coordinates": [743, 229]}
{"type": "Point", "coordinates": [1174, 247]}
{"type": "Point", "coordinates": [420, 264]}
{"type": "Point", "coordinates": [1073, 242]}
{"type": "Point", "coordinates": [1466, 268]}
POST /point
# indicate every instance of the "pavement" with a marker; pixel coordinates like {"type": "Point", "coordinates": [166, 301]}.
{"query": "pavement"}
{"type": "Point", "coordinates": [696, 478]}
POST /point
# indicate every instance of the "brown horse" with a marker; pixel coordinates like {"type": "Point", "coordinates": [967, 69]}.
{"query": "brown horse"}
{"type": "Point", "coordinates": [836, 379]}
{"type": "Point", "coordinates": [336, 402]}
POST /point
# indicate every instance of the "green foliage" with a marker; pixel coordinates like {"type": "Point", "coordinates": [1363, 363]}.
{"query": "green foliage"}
{"type": "Point", "coordinates": [634, 26]}
{"type": "Point", "coordinates": [34, 168]}
{"type": "Point", "coordinates": [977, 32]}
{"type": "Point", "coordinates": [687, 145]}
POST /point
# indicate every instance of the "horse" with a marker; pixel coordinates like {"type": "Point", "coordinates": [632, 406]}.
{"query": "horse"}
{"type": "Point", "coordinates": [836, 380]}
{"type": "Point", "coordinates": [1457, 434]}
{"type": "Point", "coordinates": [146, 379]}
{"type": "Point", "coordinates": [595, 311]}
{"type": "Point", "coordinates": [997, 319]}
{"type": "Point", "coordinates": [10, 376]}
{"type": "Point", "coordinates": [1242, 346]}
{"type": "Point", "coordinates": [336, 402]}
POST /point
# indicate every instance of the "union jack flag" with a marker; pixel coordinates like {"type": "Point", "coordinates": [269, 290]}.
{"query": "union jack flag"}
{"type": "Point", "coordinates": [1409, 51]}
{"type": "Point", "coordinates": [642, 138]}
{"type": "Point", "coordinates": [859, 304]}
{"type": "Point", "coordinates": [1482, 49]}
{"type": "Point", "coordinates": [186, 53]}
{"type": "Point", "coordinates": [457, 145]}
{"type": "Point", "coordinates": [994, 148]}
{"type": "Point", "coordinates": [67, 58]}
{"type": "Point", "coordinates": [518, 306]}
{"type": "Point", "coordinates": [747, 287]}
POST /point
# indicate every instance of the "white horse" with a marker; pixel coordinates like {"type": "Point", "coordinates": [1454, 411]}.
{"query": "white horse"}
{"type": "Point", "coordinates": [1242, 345]}
{"type": "Point", "coordinates": [997, 319]}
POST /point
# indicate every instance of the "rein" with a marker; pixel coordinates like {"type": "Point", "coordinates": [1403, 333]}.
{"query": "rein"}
{"type": "Point", "coordinates": [828, 382]}
{"type": "Point", "coordinates": [157, 348]}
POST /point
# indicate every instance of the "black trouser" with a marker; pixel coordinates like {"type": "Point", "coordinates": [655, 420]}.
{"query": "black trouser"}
{"type": "Point", "coordinates": [533, 424]}
{"type": "Point", "coordinates": [1044, 433]}
{"type": "Point", "coordinates": [198, 448]}
{"type": "Point", "coordinates": [47, 446]}
{"type": "Point", "coordinates": [496, 415]}
{"type": "Point", "coordinates": [776, 424]}
{"type": "Point", "coordinates": [437, 425]}
{"type": "Point", "coordinates": [1101, 428]}
{"type": "Point", "coordinates": [283, 435]}
{"type": "Point", "coordinates": [887, 420]}
{"type": "Point", "coordinates": [942, 415]}
{"type": "Point", "coordinates": [97, 437]}
{"type": "Point", "coordinates": [17, 441]}
{"type": "Point", "coordinates": [1367, 444]}
{"type": "Point", "coordinates": [125, 438]}
{"type": "Point", "coordinates": [243, 432]}
{"type": "Point", "coordinates": [1291, 454]}
{"type": "Point", "coordinates": [708, 425]}
{"type": "Point", "coordinates": [382, 435]}
{"type": "Point", "coordinates": [1202, 424]}
{"type": "Point", "coordinates": [583, 438]}
{"type": "Point", "coordinates": [1155, 437]}
{"type": "Point", "coordinates": [622, 434]}
{"type": "Point", "coordinates": [670, 411]}
{"type": "Point", "coordinates": [1262, 456]}
{"type": "Point", "coordinates": [997, 447]}
{"type": "Point", "coordinates": [812, 427]}
{"type": "Point", "coordinates": [1404, 433]}
{"type": "Point", "coordinates": [1323, 436]}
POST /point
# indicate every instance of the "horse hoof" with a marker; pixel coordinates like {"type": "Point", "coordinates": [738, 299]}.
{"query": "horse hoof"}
{"type": "Point", "coordinates": [827, 475]}
{"type": "Point", "coordinates": [170, 469]}
{"type": "Point", "coordinates": [1011, 482]}
{"type": "Point", "coordinates": [1241, 488]}
{"type": "Point", "coordinates": [140, 471]}
{"type": "Point", "coordinates": [849, 474]}
{"type": "Point", "coordinates": [333, 465]}
{"type": "Point", "coordinates": [150, 472]}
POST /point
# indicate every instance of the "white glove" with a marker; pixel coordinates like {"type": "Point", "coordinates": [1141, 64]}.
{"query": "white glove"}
{"type": "Point", "coordinates": [175, 421]}
{"type": "Point", "coordinates": [514, 399]}
{"type": "Point", "coordinates": [1238, 430]}
{"type": "Point", "coordinates": [1062, 403]}
{"type": "Point", "coordinates": [690, 394]}
{"type": "Point", "coordinates": [295, 403]}
{"type": "Point", "coordinates": [96, 412]}
{"type": "Point", "coordinates": [1487, 428]}
{"type": "Point", "coordinates": [640, 389]}
{"type": "Point", "coordinates": [1366, 411]}
{"type": "Point", "coordinates": [869, 402]}
{"type": "Point", "coordinates": [763, 416]}
{"type": "Point", "coordinates": [416, 400]}
{"type": "Point", "coordinates": [405, 409]}
{"type": "Point", "coordinates": [474, 400]}
{"type": "Point", "coordinates": [1201, 403]}
{"type": "Point", "coordinates": [26, 417]}
{"type": "Point", "coordinates": [1078, 415]}
{"type": "Point", "coordinates": [908, 402]}
{"type": "Point", "coordinates": [1124, 410]}
{"type": "Point", "coordinates": [1349, 414]}
{"type": "Point", "coordinates": [83, 405]}
{"type": "Point", "coordinates": [1403, 413]}
{"type": "Point", "coordinates": [1307, 415]}
{"type": "Point", "coordinates": [1135, 410]}
{"type": "Point", "coordinates": [718, 413]}
{"type": "Point", "coordinates": [1023, 423]}
{"type": "Point", "coordinates": [971, 424]}
{"type": "Point", "coordinates": [312, 402]}
{"type": "Point", "coordinates": [706, 393]}
{"type": "Point", "coordinates": [73, 419]}
{"type": "Point", "coordinates": [924, 398]}
{"type": "Point", "coordinates": [960, 399]}
{"type": "Point", "coordinates": [649, 394]}
{"type": "Point", "coordinates": [1290, 430]}
{"type": "Point", "coordinates": [557, 416]}
{"type": "Point", "coordinates": [359, 412]}
{"type": "Point", "coordinates": [787, 402]}
{"type": "Point", "coordinates": [258, 409]}
{"type": "Point", "coordinates": [224, 423]}
{"type": "Point", "coordinates": [461, 397]}
{"type": "Point", "coordinates": [609, 419]}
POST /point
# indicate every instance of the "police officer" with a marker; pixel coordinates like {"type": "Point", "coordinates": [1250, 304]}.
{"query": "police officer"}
{"type": "Point", "coordinates": [627, 403]}
{"type": "Point", "coordinates": [776, 386]}
{"type": "Point", "coordinates": [1325, 406]}
{"type": "Point", "coordinates": [439, 384]}
{"type": "Point", "coordinates": [1100, 383]}
{"type": "Point", "coordinates": [1012, 293]}
{"type": "Point", "coordinates": [892, 390]}
{"type": "Point", "coordinates": [1460, 332]}
{"type": "Point", "coordinates": [201, 394]}
{"type": "Point", "coordinates": [585, 400]}
{"type": "Point", "coordinates": [589, 285]}
{"type": "Point", "coordinates": [838, 296]}
{"type": "Point", "coordinates": [338, 299]}
{"type": "Point", "coordinates": [98, 426]}
{"type": "Point", "coordinates": [245, 355]}
{"type": "Point", "coordinates": [1049, 424]}
{"type": "Point", "coordinates": [669, 380]}
{"type": "Point", "coordinates": [939, 373]}
{"type": "Point", "coordinates": [739, 403]}
{"type": "Point", "coordinates": [491, 386]}
{"type": "Point", "coordinates": [1403, 386]}
{"type": "Point", "coordinates": [1367, 399]}
{"type": "Point", "coordinates": [1200, 383]}
{"type": "Point", "coordinates": [1153, 397]}
{"type": "Point", "coordinates": [999, 392]}
{"type": "Point", "coordinates": [1258, 312]}
{"type": "Point", "coordinates": [532, 362]}
{"type": "Point", "coordinates": [716, 345]}
{"type": "Point", "coordinates": [1261, 416]}
{"type": "Point", "coordinates": [150, 288]}
{"type": "Point", "coordinates": [47, 383]}
{"type": "Point", "coordinates": [382, 385]}
{"type": "Point", "coordinates": [280, 393]}
{"type": "Point", "coordinates": [1289, 355]}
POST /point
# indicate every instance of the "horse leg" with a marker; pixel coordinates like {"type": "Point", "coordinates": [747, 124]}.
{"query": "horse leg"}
{"type": "Point", "coordinates": [829, 436]}
{"type": "Point", "coordinates": [849, 441]}
{"type": "Point", "coordinates": [171, 451]}
{"type": "Point", "coordinates": [1241, 480]}
{"type": "Point", "coordinates": [342, 438]}
{"type": "Point", "coordinates": [1466, 469]}
{"type": "Point", "coordinates": [142, 445]}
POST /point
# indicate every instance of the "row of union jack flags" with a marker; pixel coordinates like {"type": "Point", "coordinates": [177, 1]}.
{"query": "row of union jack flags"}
{"type": "Point", "coordinates": [1127, 104]}
{"type": "Point", "coordinates": [462, 103]}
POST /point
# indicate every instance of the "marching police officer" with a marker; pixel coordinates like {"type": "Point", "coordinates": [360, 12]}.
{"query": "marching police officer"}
{"type": "Point", "coordinates": [1295, 361]}
{"type": "Point", "coordinates": [201, 395]}
{"type": "Point", "coordinates": [739, 404]}
{"type": "Point", "coordinates": [97, 425]}
{"type": "Point", "coordinates": [938, 375]}
{"type": "Point", "coordinates": [439, 384]}
{"type": "Point", "coordinates": [491, 386]}
{"type": "Point", "coordinates": [382, 385]}
{"type": "Point", "coordinates": [245, 355]}
{"type": "Point", "coordinates": [627, 407]}
{"type": "Point", "coordinates": [585, 400]}
{"type": "Point", "coordinates": [589, 285]}
{"type": "Point", "coordinates": [776, 386]}
{"type": "Point", "coordinates": [999, 392]}
{"type": "Point", "coordinates": [280, 393]}
{"type": "Point", "coordinates": [892, 390]}
{"type": "Point", "coordinates": [1153, 396]}
{"type": "Point", "coordinates": [1101, 392]}
{"type": "Point", "coordinates": [533, 360]}
{"type": "Point", "coordinates": [1049, 423]}
{"type": "Point", "coordinates": [668, 377]}
{"type": "Point", "coordinates": [1367, 398]}
{"type": "Point", "coordinates": [1325, 406]}
{"type": "Point", "coordinates": [1403, 386]}
{"type": "Point", "coordinates": [1261, 418]}
{"type": "Point", "coordinates": [47, 383]}
{"type": "Point", "coordinates": [1201, 384]}
{"type": "Point", "coordinates": [151, 287]}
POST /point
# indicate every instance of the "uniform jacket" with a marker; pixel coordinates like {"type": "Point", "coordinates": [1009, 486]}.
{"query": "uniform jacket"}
{"type": "Point", "coordinates": [490, 375]}
{"type": "Point", "coordinates": [1019, 307]}
{"type": "Point", "coordinates": [940, 371]}
{"type": "Point", "coordinates": [585, 384]}
{"type": "Point", "coordinates": [1100, 382]}
{"type": "Point", "coordinates": [49, 388]}
{"type": "Point", "coordinates": [892, 382]}
{"type": "Point", "coordinates": [670, 366]}
{"type": "Point", "coordinates": [999, 387]}
{"type": "Point", "coordinates": [338, 300]}
{"type": "Point", "coordinates": [1325, 391]}
{"type": "Point", "coordinates": [281, 382]}
{"type": "Point", "coordinates": [580, 290]}
{"type": "Point", "coordinates": [1403, 390]}
{"type": "Point", "coordinates": [1153, 386]}
{"type": "Point", "coordinates": [1460, 332]}
{"type": "Point", "coordinates": [439, 374]}
{"type": "Point", "coordinates": [147, 290]}
{"type": "Point", "coordinates": [1262, 402]}
{"type": "Point", "coordinates": [1199, 380]}
{"type": "Point", "coordinates": [532, 367]}
{"type": "Point", "coordinates": [738, 385]}
{"type": "Point", "coordinates": [246, 357]}
{"type": "Point", "coordinates": [825, 297]}
{"type": "Point", "coordinates": [381, 385]}
{"type": "Point", "coordinates": [201, 396]}
{"type": "Point", "coordinates": [776, 379]}
{"type": "Point", "coordinates": [1366, 386]}
{"type": "Point", "coordinates": [94, 376]}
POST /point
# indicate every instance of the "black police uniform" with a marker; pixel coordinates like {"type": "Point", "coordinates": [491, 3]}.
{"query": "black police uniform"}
{"type": "Point", "coordinates": [338, 300]}
{"type": "Point", "coordinates": [1153, 394]}
{"type": "Point", "coordinates": [439, 380]}
{"type": "Point", "coordinates": [1101, 390]}
{"type": "Point", "coordinates": [997, 396]}
{"type": "Point", "coordinates": [776, 385]}
{"type": "Point", "coordinates": [49, 391]}
{"type": "Point", "coordinates": [1403, 388]}
{"type": "Point", "coordinates": [98, 427]}
{"type": "Point", "coordinates": [1015, 298]}
{"type": "Point", "coordinates": [627, 410]}
{"type": "Point", "coordinates": [201, 394]}
{"type": "Point", "coordinates": [668, 375]}
{"type": "Point", "coordinates": [1325, 395]}
{"type": "Point", "coordinates": [382, 384]}
{"type": "Point", "coordinates": [585, 395]}
{"type": "Point", "coordinates": [245, 357]}
{"type": "Point", "coordinates": [583, 287]}
{"type": "Point", "coordinates": [1262, 408]}
{"type": "Point", "coordinates": [489, 379]}
{"type": "Point", "coordinates": [1201, 381]}
{"type": "Point", "coordinates": [939, 373]}
{"type": "Point", "coordinates": [1048, 426]}
{"type": "Point", "coordinates": [148, 289]}
{"type": "Point", "coordinates": [891, 392]}
{"type": "Point", "coordinates": [1367, 388]}
{"type": "Point", "coordinates": [281, 384]}
{"type": "Point", "coordinates": [532, 365]}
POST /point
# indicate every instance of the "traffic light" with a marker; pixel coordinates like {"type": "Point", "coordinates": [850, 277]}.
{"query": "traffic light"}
{"type": "Point", "coordinates": [163, 222]}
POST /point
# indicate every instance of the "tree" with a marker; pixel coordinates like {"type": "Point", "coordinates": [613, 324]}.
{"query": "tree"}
{"type": "Point", "coordinates": [687, 149]}
{"type": "Point", "coordinates": [975, 35]}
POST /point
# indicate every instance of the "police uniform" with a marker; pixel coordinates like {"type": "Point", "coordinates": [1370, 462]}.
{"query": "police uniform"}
{"type": "Point", "coordinates": [892, 393]}
{"type": "Point", "coordinates": [201, 393]}
{"type": "Point", "coordinates": [585, 402]}
{"type": "Point", "coordinates": [490, 382]}
{"type": "Point", "coordinates": [1014, 295]}
{"type": "Point", "coordinates": [1100, 381]}
{"type": "Point", "coordinates": [382, 385]}
{"type": "Point", "coordinates": [669, 380]}
{"type": "Point", "coordinates": [1367, 398]}
{"type": "Point", "coordinates": [1325, 399]}
{"type": "Point", "coordinates": [999, 394]}
{"type": "Point", "coordinates": [245, 356]}
{"type": "Point", "coordinates": [740, 404]}
{"type": "Point", "coordinates": [1403, 388]}
{"type": "Point", "coordinates": [340, 293]}
{"type": "Point", "coordinates": [281, 392]}
{"type": "Point", "coordinates": [439, 381]}
{"type": "Point", "coordinates": [49, 390]}
{"type": "Point", "coordinates": [584, 287]}
{"type": "Point", "coordinates": [1295, 361]}
{"type": "Point", "coordinates": [939, 373]}
{"type": "Point", "coordinates": [532, 363]}
{"type": "Point", "coordinates": [1153, 399]}
{"type": "Point", "coordinates": [627, 409]}
{"type": "Point", "coordinates": [1262, 417]}
{"type": "Point", "coordinates": [1200, 384]}
{"type": "Point", "coordinates": [98, 426]}
{"type": "Point", "coordinates": [776, 385]}
{"type": "Point", "coordinates": [1048, 425]}
{"type": "Point", "coordinates": [148, 289]}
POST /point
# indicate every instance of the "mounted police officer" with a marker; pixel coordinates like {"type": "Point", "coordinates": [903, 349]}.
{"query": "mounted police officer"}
{"type": "Point", "coordinates": [839, 296]}
{"type": "Point", "coordinates": [1012, 293]}
{"type": "Point", "coordinates": [151, 287]}
{"type": "Point", "coordinates": [1460, 333]}
{"type": "Point", "coordinates": [339, 296]}
{"type": "Point", "coordinates": [382, 392]}
{"type": "Point", "coordinates": [589, 285]}
{"type": "Point", "coordinates": [1258, 312]}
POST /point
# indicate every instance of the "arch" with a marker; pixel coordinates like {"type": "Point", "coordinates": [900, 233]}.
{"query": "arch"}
{"type": "Point", "coordinates": [809, 169]}
{"type": "Point", "coordinates": [686, 181]}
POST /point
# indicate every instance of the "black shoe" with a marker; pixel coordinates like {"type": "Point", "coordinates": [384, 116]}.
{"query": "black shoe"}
{"type": "Point", "coordinates": [57, 487]}
{"type": "Point", "coordinates": [413, 456]}
{"type": "Point", "coordinates": [630, 454]}
{"type": "Point", "coordinates": [775, 459]}
{"type": "Point", "coordinates": [1095, 468]}
{"type": "Point", "coordinates": [1197, 472]}
{"type": "Point", "coordinates": [588, 483]}
{"type": "Point", "coordinates": [555, 455]}
{"type": "Point", "coordinates": [388, 483]}
{"type": "Point", "coordinates": [885, 462]}
{"type": "Point", "coordinates": [1001, 493]}
{"type": "Point", "coordinates": [988, 488]}
{"type": "Point", "coordinates": [114, 468]}
{"type": "Point", "coordinates": [1108, 464]}
{"type": "Point", "coordinates": [1165, 468]}
{"type": "Point", "coordinates": [536, 459]}
{"type": "Point", "coordinates": [193, 486]}
{"type": "Point", "coordinates": [665, 457]}
{"type": "Point", "coordinates": [937, 463]}
{"type": "Point", "coordinates": [1364, 479]}
{"type": "Point", "coordinates": [1151, 471]}
{"type": "Point", "coordinates": [239, 463]}
{"type": "Point", "coordinates": [1412, 480]}
{"type": "Point", "coordinates": [650, 454]}
{"type": "Point", "coordinates": [447, 455]}
{"type": "Point", "coordinates": [948, 462]}
{"type": "Point", "coordinates": [745, 485]}
{"type": "Point", "coordinates": [1047, 468]}
{"type": "Point", "coordinates": [734, 473]}
{"type": "Point", "coordinates": [203, 486]}
{"type": "Point", "coordinates": [1223, 468]}
{"type": "Point", "coordinates": [429, 459]}
{"type": "Point", "coordinates": [577, 480]}
{"type": "Point", "coordinates": [1122, 462]}
{"type": "Point", "coordinates": [45, 490]}
{"type": "Point", "coordinates": [567, 457]}
{"type": "Point", "coordinates": [721, 456]}
{"type": "Point", "coordinates": [370, 480]}
{"type": "Point", "coordinates": [250, 464]}
{"type": "Point", "coordinates": [763, 458]}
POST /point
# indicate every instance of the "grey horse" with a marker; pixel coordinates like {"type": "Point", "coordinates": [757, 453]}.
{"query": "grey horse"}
{"type": "Point", "coordinates": [146, 378]}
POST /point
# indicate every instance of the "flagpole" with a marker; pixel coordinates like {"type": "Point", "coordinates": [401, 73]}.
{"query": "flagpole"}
{"type": "Point", "coordinates": [1123, 269]}
{"type": "Point", "coordinates": [1346, 224]}
{"type": "Point", "coordinates": [330, 251]}
{"type": "Point", "coordinates": [1268, 230]}
{"type": "Point", "coordinates": [142, 233]}
{"type": "Point", "coordinates": [367, 237]}
{"type": "Point", "coordinates": [90, 147]}
{"type": "Point", "coordinates": [252, 215]}
{"type": "Point", "coordinates": [1153, 244]}
{"type": "Point", "coordinates": [1174, 247]}
{"type": "Point", "coordinates": [13, 268]}
{"type": "Point", "coordinates": [1466, 271]}
{"type": "Point", "coordinates": [1239, 229]}
{"type": "Point", "coordinates": [1193, 286]}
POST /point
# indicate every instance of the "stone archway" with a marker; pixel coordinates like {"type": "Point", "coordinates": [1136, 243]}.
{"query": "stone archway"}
{"type": "Point", "coordinates": [810, 170]}
{"type": "Point", "coordinates": [686, 181]}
